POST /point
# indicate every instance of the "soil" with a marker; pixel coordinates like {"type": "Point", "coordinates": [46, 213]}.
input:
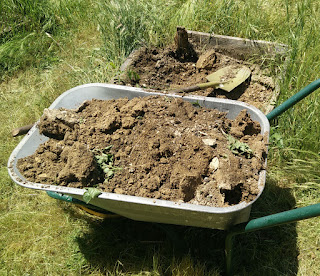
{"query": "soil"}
{"type": "Point", "coordinates": [166, 69]}
{"type": "Point", "coordinates": [161, 147]}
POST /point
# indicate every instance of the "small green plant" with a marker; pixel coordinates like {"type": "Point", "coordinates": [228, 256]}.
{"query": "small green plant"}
{"type": "Point", "coordinates": [90, 194]}
{"type": "Point", "coordinates": [276, 140]}
{"type": "Point", "coordinates": [239, 148]}
{"type": "Point", "coordinates": [196, 104]}
{"type": "Point", "coordinates": [82, 120]}
{"type": "Point", "coordinates": [133, 76]}
{"type": "Point", "coordinates": [105, 160]}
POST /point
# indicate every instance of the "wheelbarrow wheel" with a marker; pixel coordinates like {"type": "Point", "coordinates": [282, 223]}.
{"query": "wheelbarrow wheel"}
{"type": "Point", "coordinates": [96, 213]}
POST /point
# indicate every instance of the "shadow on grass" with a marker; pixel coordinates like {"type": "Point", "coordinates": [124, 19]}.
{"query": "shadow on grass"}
{"type": "Point", "coordinates": [120, 244]}
{"type": "Point", "coordinates": [271, 251]}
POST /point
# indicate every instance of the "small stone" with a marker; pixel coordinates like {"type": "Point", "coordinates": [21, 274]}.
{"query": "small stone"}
{"type": "Point", "coordinates": [177, 133]}
{"type": "Point", "coordinates": [214, 164]}
{"type": "Point", "coordinates": [210, 142]}
{"type": "Point", "coordinates": [43, 175]}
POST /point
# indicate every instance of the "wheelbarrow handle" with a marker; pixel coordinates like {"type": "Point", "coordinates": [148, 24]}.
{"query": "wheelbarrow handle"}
{"type": "Point", "coordinates": [294, 99]}
{"type": "Point", "coordinates": [290, 216]}
{"type": "Point", "coordinates": [278, 219]}
{"type": "Point", "coordinates": [21, 130]}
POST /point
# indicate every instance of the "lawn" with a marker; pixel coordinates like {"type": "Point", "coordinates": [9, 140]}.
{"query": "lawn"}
{"type": "Point", "coordinates": [48, 47]}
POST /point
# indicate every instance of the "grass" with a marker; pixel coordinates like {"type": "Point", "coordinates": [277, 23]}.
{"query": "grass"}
{"type": "Point", "coordinates": [47, 47]}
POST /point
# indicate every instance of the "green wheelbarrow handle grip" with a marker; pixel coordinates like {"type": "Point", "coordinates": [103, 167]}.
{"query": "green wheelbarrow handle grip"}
{"type": "Point", "coordinates": [294, 99]}
{"type": "Point", "coordinates": [278, 219]}
{"type": "Point", "coordinates": [63, 197]}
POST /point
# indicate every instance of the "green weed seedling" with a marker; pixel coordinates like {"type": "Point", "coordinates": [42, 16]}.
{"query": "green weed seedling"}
{"type": "Point", "coordinates": [105, 161]}
{"type": "Point", "coordinates": [133, 76]}
{"type": "Point", "coordinates": [239, 148]}
{"type": "Point", "coordinates": [196, 104]}
{"type": "Point", "coordinates": [90, 194]}
{"type": "Point", "coordinates": [276, 140]}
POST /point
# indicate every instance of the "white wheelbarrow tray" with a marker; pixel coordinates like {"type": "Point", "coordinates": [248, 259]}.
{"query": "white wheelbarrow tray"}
{"type": "Point", "coordinates": [134, 207]}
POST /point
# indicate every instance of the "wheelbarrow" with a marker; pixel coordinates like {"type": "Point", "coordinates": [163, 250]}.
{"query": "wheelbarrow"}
{"type": "Point", "coordinates": [233, 219]}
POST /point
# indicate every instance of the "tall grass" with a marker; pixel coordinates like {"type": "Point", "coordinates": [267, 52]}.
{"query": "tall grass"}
{"type": "Point", "coordinates": [125, 25]}
{"type": "Point", "coordinates": [299, 125]}
{"type": "Point", "coordinates": [47, 47]}
{"type": "Point", "coordinates": [26, 27]}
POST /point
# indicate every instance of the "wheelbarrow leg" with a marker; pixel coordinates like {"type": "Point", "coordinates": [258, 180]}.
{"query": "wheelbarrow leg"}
{"type": "Point", "coordinates": [228, 253]}
{"type": "Point", "coordinates": [267, 222]}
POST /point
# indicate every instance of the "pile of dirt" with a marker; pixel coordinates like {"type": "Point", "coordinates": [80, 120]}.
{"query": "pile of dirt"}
{"type": "Point", "coordinates": [186, 63]}
{"type": "Point", "coordinates": [157, 147]}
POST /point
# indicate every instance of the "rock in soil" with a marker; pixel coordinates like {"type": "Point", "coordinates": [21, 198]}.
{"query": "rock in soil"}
{"type": "Point", "coordinates": [156, 147]}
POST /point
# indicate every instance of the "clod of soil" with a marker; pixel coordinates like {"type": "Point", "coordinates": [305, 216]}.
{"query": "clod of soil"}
{"type": "Point", "coordinates": [157, 147]}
